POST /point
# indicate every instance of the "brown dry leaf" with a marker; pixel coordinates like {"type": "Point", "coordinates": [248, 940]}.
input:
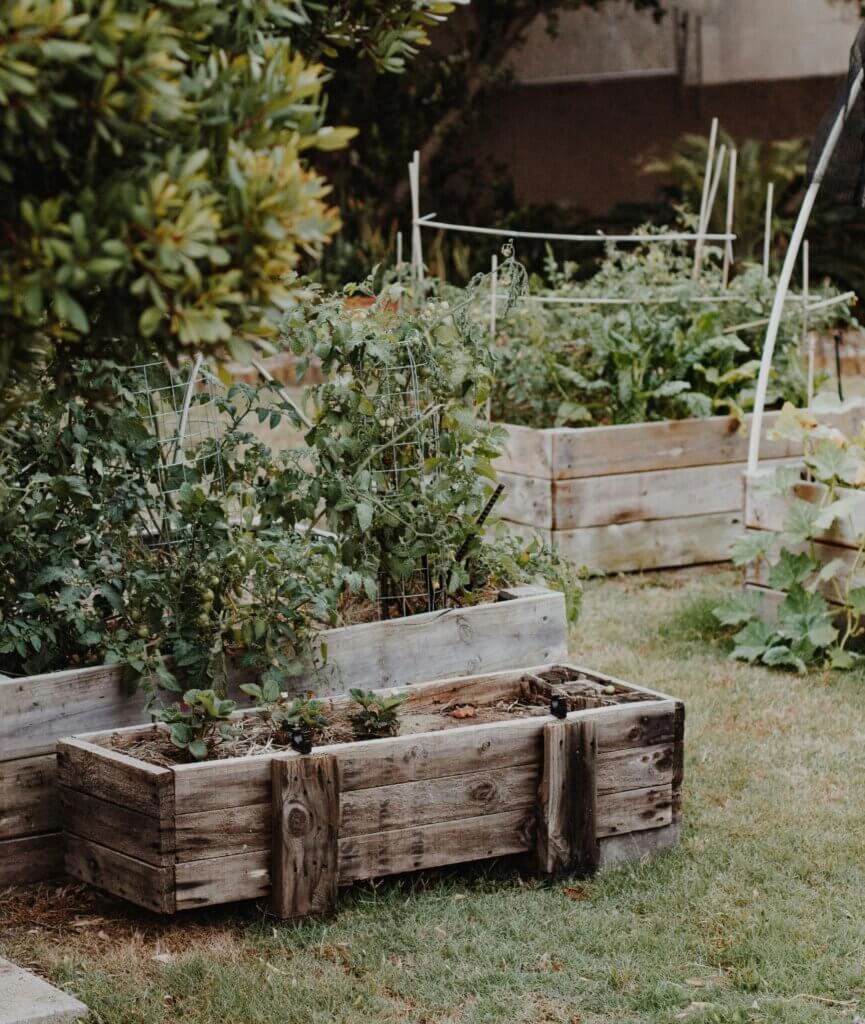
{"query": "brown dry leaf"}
{"type": "Point", "coordinates": [576, 892]}
{"type": "Point", "coordinates": [467, 711]}
{"type": "Point", "coordinates": [87, 922]}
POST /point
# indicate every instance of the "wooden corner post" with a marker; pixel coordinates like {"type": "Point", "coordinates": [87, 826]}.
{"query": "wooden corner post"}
{"type": "Point", "coordinates": [305, 836]}
{"type": "Point", "coordinates": [567, 828]}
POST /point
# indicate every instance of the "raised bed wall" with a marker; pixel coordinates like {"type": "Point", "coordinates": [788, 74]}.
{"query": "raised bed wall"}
{"type": "Point", "coordinates": [636, 497]}
{"type": "Point", "coordinates": [527, 623]}
{"type": "Point", "coordinates": [598, 788]}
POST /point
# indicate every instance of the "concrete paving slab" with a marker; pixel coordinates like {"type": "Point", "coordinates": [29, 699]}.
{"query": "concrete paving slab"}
{"type": "Point", "coordinates": [26, 999]}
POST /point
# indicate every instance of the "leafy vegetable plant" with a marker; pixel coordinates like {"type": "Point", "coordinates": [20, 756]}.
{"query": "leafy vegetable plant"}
{"type": "Point", "coordinates": [377, 717]}
{"type": "Point", "coordinates": [199, 722]}
{"type": "Point", "coordinates": [822, 614]}
{"type": "Point", "coordinates": [665, 353]}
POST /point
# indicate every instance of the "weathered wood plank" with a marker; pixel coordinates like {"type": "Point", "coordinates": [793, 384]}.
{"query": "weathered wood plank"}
{"type": "Point", "coordinates": [431, 846]}
{"type": "Point", "coordinates": [203, 883]}
{"type": "Point", "coordinates": [118, 828]}
{"type": "Point", "coordinates": [458, 642]}
{"type": "Point", "coordinates": [305, 828]}
{"type": "Point", "coordinates": [586, 823]}
{"type": "Point", "coordinates": [527, 451]}
{"type": "Point", "coordinates": [635, 547]}
{"type": "Point", "coordinates": [31, 859]}
{"type": "Point", "coordinates": [28, 799]}
{"type": "Point", "coordinates": [133, 879]}
{"type": "Point", "coordinates": [657, 495]}
{"type": "Point", "coordinates": [617, 850]}
{"type": "Point", "coordinates": [222, 832]}
{"type": "Point", "coordinates": [640, 768]}
{"type": "Point", "coordinates": [634, 810]}
{"type": "Point", "coordinates": [526, 499]}
{"type": "Point", "coordinates": [389, 807]}
{"type": "Point", "coordinates": [114, 777]}
{"type": "Point", "coordinates": [557, 799]}
{"type": "Point", "coordinates": [36, 711]}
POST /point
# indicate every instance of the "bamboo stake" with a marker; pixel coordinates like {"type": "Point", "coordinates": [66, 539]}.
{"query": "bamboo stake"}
{"type": "Point", "coordinates": [416, 244]}
{"type": "Point", "coordinates": [494, 282]}
{"type": "Point", "coordinates": [731, 213]}
{"type": "Point", "coordinates": [707, 183]}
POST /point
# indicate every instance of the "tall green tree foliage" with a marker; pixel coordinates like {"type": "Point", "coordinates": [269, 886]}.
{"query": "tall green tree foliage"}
{"type": "Point", "coordinates": [155, 177]}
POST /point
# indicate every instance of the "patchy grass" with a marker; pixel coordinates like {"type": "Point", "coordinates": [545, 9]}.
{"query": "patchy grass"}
{"type": "Point", "coordinates": [758, 917]}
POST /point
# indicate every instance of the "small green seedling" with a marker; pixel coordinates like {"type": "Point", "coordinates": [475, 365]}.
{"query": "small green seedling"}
{"type": "Point", "coordinates": [199, 722]}
{"type": "Point", "coordinates": [288, 715]}
{"type": "Point", "coordinates": [377, 717]}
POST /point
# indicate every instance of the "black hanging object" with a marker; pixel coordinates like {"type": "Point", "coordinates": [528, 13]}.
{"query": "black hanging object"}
{"type": "Point", "coordinates": [843, 181]}
{"type": "Point", "coordinates": [301, 742]}
{"type": "Point", "coordinates": [559, 707]}
{"type": "Point", "coordinates": [838, 366]}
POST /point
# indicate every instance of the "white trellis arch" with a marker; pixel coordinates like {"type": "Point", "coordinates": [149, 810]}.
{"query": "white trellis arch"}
{"type": "Point", "coordinates": [796, 240]}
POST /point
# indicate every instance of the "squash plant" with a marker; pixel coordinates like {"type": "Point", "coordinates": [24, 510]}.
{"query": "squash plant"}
{"type": "Point", "coordinates": [807, 630]}
{"type": "Point", "coordinates": [574, 366]}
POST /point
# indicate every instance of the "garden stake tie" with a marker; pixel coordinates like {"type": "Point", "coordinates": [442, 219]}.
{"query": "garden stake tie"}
{"type": "Point", "coordinates": [479, 522]}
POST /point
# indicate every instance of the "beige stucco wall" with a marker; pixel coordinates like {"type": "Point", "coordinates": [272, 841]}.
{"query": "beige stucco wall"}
{"type": "Point", "coordinates": [727, 41]}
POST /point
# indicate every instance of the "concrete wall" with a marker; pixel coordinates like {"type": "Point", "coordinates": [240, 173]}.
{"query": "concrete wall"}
{"type": "Point", "coordinates": [726, 41]}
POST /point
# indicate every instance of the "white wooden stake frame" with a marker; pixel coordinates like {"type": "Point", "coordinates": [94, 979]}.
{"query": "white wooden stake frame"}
{"type": "Point", "coordinates": [790, 261]}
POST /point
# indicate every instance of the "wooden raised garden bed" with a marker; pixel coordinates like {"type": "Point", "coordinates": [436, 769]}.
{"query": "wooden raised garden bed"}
{"type": "Point", "coordinates": [525, 624]}
{"type": "Point", "coordinates": [597, 787]}
{"type": "Point", "coordinates": [635, 497]}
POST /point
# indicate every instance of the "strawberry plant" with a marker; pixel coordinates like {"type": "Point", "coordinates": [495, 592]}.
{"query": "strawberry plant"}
{"type": "Point", "coordinates": [377, 716]}
{"type": "Point", "coordinates": [198, 723]}
{"type": "Point", "coordinates": [285, 714]}
{"type": "Point", "coordinates": [822, 614]}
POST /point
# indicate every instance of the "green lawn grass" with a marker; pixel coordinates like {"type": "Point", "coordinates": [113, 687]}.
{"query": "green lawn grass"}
{"type": "Point", "coordinates": [759, 916]}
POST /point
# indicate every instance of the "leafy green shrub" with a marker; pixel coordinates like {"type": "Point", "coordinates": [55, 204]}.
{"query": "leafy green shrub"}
{"type": "Point", "coordinates": [563, 365]}
{"type": "Point", "coordinates": [97, 568]}
{"type": "Point", "coordinates": [377, 717]}
{"type": "Point", "coordinates": [403, 453]}
{"type": "Point", "coordinates": [155, 178]}
{"type": "Point", "coordinates": [806, 630]}
{"type": "Point", "coordinates": [199, 722]}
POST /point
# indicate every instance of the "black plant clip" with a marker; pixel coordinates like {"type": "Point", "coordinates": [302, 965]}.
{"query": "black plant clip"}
{"type": "Point", "coordinates": [559, 707]}
{"type": "Point", "coordinates": [301, 742]}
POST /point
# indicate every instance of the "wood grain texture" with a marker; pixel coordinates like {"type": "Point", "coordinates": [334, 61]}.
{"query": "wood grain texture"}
{"type": "Point", "coordinates": [587, 820]}
{"type": "Point", "coordinates": [31, 859]}
{"type": "Point", "coordinates": [36, 711]}
{"type": "Point", "coordinates": [659, 544]}
{"type": "Point", "coordinates": [28, 800]}
{"type": "Point", "coordinates": [305, 828]}
{"type": "Point", "coordinates": [527, 451]}
{"type": "Point", "coordinates": [204, 883]}
{"type": "Point", "coordinates": [557, 799]}
{"type": "Point", "coordinates": [526, 499]}
{"type": "Point", "coordinates": [634, 810]}
{"type": "Point", "coordinates": [432, 846]}
{"type": "Point", "coordinates": [639, 768]}
{"type": "Point", "coordinates": [143, 884]}
{"type": "Point", "coordinates": [457, 642]}
{"type": "Point", "coordinates": [116, 827]}
{"type": "Point", "coordinates": [222, 832]}
{"type": "Point", "coordinates": [98, 771]}
{"type": "Point", "coordinates": [389, 807]}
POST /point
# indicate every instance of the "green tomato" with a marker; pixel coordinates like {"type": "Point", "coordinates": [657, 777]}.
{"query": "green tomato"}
{"type": "Point", "coordinates": [143, 632]}
{"type": "Point", "coordinates": [207, 596]}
